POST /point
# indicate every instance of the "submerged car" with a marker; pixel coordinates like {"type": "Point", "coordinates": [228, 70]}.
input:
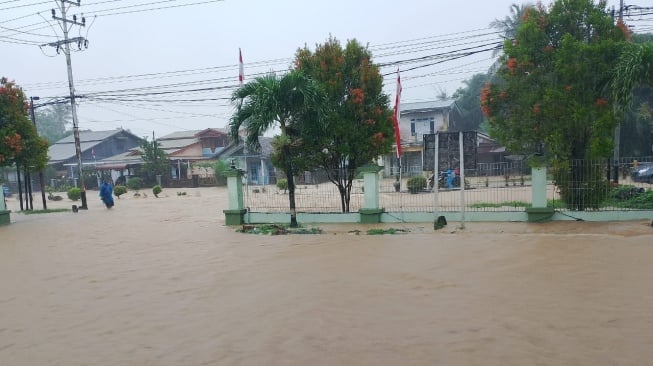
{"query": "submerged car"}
{"type": "Point", "coordinates": [643, 173]}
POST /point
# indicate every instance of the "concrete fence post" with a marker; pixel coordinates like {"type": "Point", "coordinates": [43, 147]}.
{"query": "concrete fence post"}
{"type": "Point", "coordinates": [4, 213]}
{"type": "Point", "coordinates": [371, 212]}
{"type": "Point", "coordinates": [539, 210]}
{"type": "Point", "coordinates": [236, 213]}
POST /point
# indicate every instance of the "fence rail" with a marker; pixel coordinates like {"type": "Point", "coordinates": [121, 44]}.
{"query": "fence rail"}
{"type": "Point", "coordinates": [500, 187]}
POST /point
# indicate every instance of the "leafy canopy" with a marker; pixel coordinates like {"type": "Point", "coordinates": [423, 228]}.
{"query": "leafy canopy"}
{"type": "Point", "coordinates": [19, 141]}
{"type": "Point", "coordinates": [357, 126]}
{"type": "Point", "coordinates": [155, 161]}
{"type": "Point", "coordinates": [553, 86]}
{"type": "Point", "coordinates": [286, 102]}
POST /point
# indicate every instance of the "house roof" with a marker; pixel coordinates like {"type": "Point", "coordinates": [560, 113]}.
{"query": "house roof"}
{"type": "Point", "coordinates": [190, 134]}
{"type": "Point", "coordinates": [121, 160]}
{"type": "Point", "coordinates": [175, 144]}
{"type": "Point", "coordinates": [178, 141]}
{"type": "Point", "coordinates": [238, 149]}
{"type": "Point", "coordinates": [426, 106]}
{"type": "Point", "coordinates": [65, 148]}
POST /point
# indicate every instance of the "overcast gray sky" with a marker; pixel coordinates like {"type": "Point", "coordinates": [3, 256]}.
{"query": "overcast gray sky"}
{"type": "Point", "coordinates": [170, 69]}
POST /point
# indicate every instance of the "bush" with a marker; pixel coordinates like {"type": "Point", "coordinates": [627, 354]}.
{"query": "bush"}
{"type": "Point", "coordinates": [74, 194]}
{"type": "Point", "coordinates": [582, 185]}
{"type": "Point", "coordinates": [156, 190]}
{"type": "Point", "coordinates": [90, 179]}
{"type": "Point", "coordinates": [282, 184]}
{"type": "Point", "coordinates": [416, 183]}
{"type": "Point", "coordinates": [220, 169]}
{"type": "Point", "coordinates": [119, 190]}
{"type": "Point", "coordinates": [135, 183]}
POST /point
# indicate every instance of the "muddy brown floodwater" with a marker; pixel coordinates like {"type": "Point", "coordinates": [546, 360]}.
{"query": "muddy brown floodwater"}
{"type": "Point", "coordinates": [162, 281]}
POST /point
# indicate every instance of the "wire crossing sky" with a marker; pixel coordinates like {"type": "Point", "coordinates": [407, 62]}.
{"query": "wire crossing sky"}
{"type": "Point", "coordinates": [172, 65]}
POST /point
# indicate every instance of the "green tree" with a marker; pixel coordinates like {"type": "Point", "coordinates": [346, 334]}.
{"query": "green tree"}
{"type": "Point", "coordinates": [155, 161]}
{"type": "Point", "coordinates": [633, 91]}
{"type": "Point", "coordinates": [553, 86]}
{"type": "Point", "coordinates": [51, 122]}
{"type": "Point", "coordinates": [357, 127]}
{"type": "Point", "coordinates": [468, 100]}
{"type": "Point", "coordinates": [271, 101]}
{"type": "Point", "coordinates": [19, 141]}
{"type": "Point", "coordinates": [634, 69]}
{"type": "Point", "coordinates": [636, 134]}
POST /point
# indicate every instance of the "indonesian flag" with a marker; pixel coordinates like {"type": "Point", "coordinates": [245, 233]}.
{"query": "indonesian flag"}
{"type": "Point", "coordinates": [395, 116]}
{"type": "Point", "coordinates": [241, 70]}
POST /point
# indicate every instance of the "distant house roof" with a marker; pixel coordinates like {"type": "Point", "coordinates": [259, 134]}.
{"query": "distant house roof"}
{"type": "Point", "coordinates": [177, 141]}
{"type": "Point", "coordinates": [120, 161]}
{"type": "Point", "coordinates": [426, 106]}
{"type": "Point", "coordinates": [238, 149]}
{"type": "Point", "coordinates": [64, 149]}
{"type": "Point", "coordinates": [192, 134]}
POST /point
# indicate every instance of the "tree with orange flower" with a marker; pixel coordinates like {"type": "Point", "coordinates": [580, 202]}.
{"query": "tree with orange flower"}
{"type": "Point", "coordinates": [357, 127]}
{"type": "Point", "coordinates": [554, 86]}
{"type": "Point", "coordinates": [19, 141]}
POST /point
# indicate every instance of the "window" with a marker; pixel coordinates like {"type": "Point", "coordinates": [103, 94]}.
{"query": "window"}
{"type": "Point", "coordinates": [420, 126]}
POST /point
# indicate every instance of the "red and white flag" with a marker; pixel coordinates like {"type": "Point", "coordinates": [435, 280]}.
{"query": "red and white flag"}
{"type": "Point", "coordinates": [241, 69]}
{"type": "Point", "coordinates": [395, 116]}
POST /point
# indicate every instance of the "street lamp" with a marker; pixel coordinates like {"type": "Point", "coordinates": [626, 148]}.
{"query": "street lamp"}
{"type": "Point", "coordinates": [41, 178]}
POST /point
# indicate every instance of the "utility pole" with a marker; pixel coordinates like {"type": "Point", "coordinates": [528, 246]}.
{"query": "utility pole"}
{"type": "Point", "coordinates": [617, 130]}
{"type": "Point", "coordinates": [41, 178]}
{"type": "Point", "coordinates": [65, 26]}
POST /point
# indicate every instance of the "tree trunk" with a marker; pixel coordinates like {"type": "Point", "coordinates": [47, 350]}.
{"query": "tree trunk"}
{"type": "Point", "coordinates": [20, 187]}
{"type": "Point", "coordinates": [291, 186]}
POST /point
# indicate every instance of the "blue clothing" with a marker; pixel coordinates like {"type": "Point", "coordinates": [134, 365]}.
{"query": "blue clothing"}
{"type": "Point", "coordinates": [106, 192]}
{"type": "Point", "coordinates": [451, 175]}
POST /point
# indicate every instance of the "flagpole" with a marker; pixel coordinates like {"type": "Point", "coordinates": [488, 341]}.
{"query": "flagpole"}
{"type": "Point", "coordinates": [241, 80]}
{"type": "Point", "coordinates": [395, 120]}
{"type": "Point", "coordinates": [401, 196]}
{"type": "Point", "coordinates": [436, 176]}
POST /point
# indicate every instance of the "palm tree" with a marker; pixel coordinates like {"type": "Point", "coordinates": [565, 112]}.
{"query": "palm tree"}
{"type": "Point", "coordinates": [508, 25]}
{"type": "Point", "coordinates": [635, 68]}
{"type": "Point", "coordinates": [270, 101]}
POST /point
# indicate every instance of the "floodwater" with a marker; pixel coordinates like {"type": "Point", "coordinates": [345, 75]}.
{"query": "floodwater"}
{"type": "Point", "coordinates": [162, 281]}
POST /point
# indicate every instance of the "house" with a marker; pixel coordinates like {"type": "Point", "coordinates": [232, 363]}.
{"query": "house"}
{"type": "Point", "coordinates": [183, 148]}
{"type": "Point", "coordinates": [489, 150]}
{"type": "Point", "coordinates": [95, 146]}
{"type": "Point", "coordinates": [256, 164]}
{"type": "Point", "coordinates": [417, 119]}
{"type": "Point", "coordinates": [187, 147]}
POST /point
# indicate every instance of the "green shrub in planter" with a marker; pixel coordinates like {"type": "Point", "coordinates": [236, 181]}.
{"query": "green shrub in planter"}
{"type": "Point", "coordinates": [282, 184]}
{"type": "Point", "coordinates": [135, 183]}
{"type": "Point", "coordinates": [156, 190]}
{"type": "Point", "coordinates": [416, 184]}
{"type": "Point", "coordinates": [74, 194]}
{"type": "Point", "coordinates": [119, 190]}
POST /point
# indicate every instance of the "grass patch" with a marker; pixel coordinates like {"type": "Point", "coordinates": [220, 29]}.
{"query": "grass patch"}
{"type": "Point", "coordinates": [500, 204]}
{"type": "Point", "coordinates": [386, 231]}
{"type": "Point", "coordinates": [549, 203]}
{"type": "Point", "coordinates": [636, 201]}
{"type": "Point", "coordinates": [277, 229]}
{"type": "Point", "coordinates": [557, 204]}
{"type": "Point", "coordinates": [53, 210]}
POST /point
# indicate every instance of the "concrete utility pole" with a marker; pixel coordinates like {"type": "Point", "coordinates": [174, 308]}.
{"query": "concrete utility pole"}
{"type": "Point", "coordinates": [65, 26]}
{"type": "Point", "coordinates": [41, 177]}
{"type": "Point", "coordinates": [617, 130]}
